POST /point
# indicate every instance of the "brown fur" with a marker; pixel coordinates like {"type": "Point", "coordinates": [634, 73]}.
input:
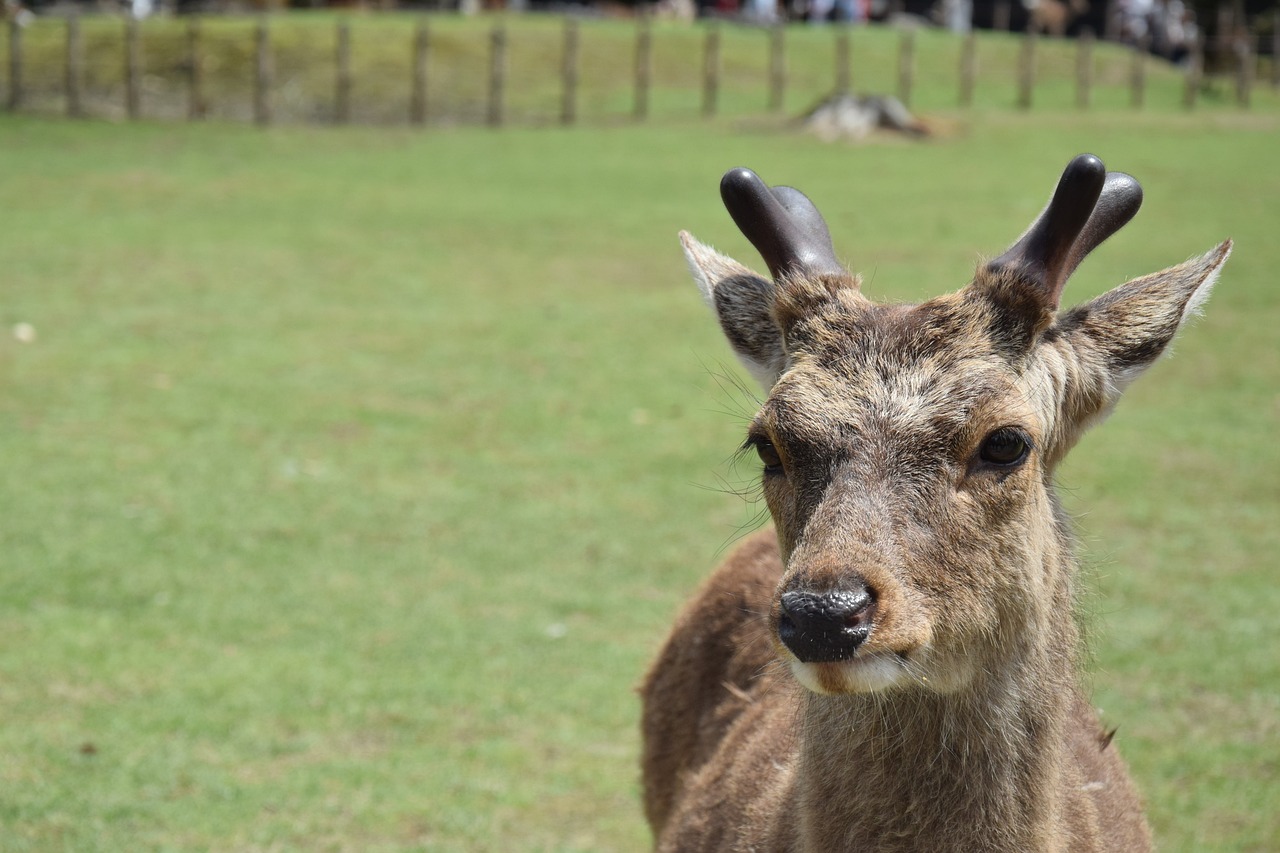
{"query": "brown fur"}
{"type": "Point", "coordinates": [959, 723]}
{"type": "Point", "coordinates": [1053, 16]}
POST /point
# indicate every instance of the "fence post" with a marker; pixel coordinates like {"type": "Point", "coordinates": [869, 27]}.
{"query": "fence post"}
{"type": "Point", "coordinates": [15, 64]}
{"type": "Point", "coordinates": [777, 66]}
{"type": "Point", "coordinates": [1138, 73]}
{"type": "Point", "coordinates": [844, 65]}
{"type": "Point", "coordinates": [1226, 28]}
{"type": "Point", "coordinates": [75, 64]}
{"type": "Point", "coordinates": [1002, 17]}
{"type": "Point", "coordinates": [1027, 69]}
{"type": "Point", "coordinates": [906, 64]}
{"type": "Point", "coordinates": [342, 78]}
{"type": "Point", "coordinates": [262, 73]}
{"type": "Point", "coordinates": [497, 73]}
{"type": "Point", "coordinates": [132, 68]}
{"type": "Point", "coordinates": [195, 60]}
{"type": "Point", "coordinates": [1111, 21]}
{"type": "Point", "coordinates": [644, 65]}
{"type": "Point", "coordinates": [1275, 49]}
{"type": "Point", "coordinates": [418, 87]}
{"type": "Point", "coordinates": [968, 68]}
{"type": "Point", "coordinates": [569, 69]}
{"type": "Point", "coordinates": [1084, 69]}
{"type": "Point", "coordinates": [1195, 72]}
{"type": "Point", "coordinates": [1244, 67]}
{"type": "Point", "coordinates": [711, 71]}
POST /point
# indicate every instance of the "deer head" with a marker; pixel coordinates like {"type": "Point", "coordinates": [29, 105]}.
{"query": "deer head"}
{"type": "Point", "coordinates": [908, 450]}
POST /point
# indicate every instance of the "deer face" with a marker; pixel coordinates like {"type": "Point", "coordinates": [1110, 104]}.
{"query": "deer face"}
{"type": "Point", "coordinates": [907, 451]}
{"type": "Point", "coordinates": [904, 468]}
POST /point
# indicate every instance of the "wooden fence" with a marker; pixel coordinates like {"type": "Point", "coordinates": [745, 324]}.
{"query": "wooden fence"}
{"type": "Point", "coordinates": [55, 66]}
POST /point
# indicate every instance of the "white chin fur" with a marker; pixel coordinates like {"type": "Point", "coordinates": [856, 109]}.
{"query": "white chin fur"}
{"type": "Point", "coordinates": [862, 674]}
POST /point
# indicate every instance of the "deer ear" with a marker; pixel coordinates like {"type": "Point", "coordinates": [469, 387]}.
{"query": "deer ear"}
{"type": "Point", "coordinates": [743, 302]}
{"type": "Point", "coordinates": [1118, 335]}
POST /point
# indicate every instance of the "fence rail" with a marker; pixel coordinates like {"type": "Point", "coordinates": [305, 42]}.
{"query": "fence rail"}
{"type": "Point", "coordinates": [442, 69]}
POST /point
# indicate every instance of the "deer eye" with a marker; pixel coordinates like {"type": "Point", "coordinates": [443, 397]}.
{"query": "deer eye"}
{"type": "Point", "coordinates": [1005, 448]}
{"type": "Point", "coordinates": [768, 455]}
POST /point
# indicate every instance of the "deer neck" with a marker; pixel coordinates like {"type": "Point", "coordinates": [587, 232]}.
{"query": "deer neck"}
{"type": "Point", "coordinates": [972, 770]}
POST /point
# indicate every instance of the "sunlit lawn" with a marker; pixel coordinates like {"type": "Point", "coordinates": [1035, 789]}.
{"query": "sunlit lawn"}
{"type": "Point", "coordinates": [352, 477]}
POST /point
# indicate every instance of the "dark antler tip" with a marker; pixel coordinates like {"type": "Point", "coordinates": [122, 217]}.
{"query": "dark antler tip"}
{"type": "Point", "coordinates": [738, 179]}
{"type": "Point", "coordinates": [742, 190]}
{"type": "Point", "coordinates": [1086, 164]}
{"type": "Point", "coordinates": [1119, 202]}
{"type": "Point", "coordinates": [1084, 173]}
{"type": "Point", "coordinates": [1126, 185]}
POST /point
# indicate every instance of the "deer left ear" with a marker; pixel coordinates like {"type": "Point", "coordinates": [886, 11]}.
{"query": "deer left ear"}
{"type": "Point", "coordinates": [743, 302]}
{"type": "Point", "coordinates": [1119, 334]}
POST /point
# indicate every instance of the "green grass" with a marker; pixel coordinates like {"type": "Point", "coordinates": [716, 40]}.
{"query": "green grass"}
{"type": "Point", "coordinates": [353, 477]}
{"type": "Point", "coordinates": [303, 48]}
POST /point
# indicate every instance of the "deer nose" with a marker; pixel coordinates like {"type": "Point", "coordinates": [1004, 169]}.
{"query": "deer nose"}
{"type": "Point", "coordinates": [826, 627]}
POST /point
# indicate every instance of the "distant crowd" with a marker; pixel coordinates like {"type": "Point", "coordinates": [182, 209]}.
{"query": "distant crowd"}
{"type": "Point", "coordinates": [1167, 26]}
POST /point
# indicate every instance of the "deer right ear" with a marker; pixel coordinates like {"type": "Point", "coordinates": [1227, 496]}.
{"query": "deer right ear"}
{"type": "Point", "coordinates": [743, 302]}
{"type": "Point", "coordinates": [1119, 334]}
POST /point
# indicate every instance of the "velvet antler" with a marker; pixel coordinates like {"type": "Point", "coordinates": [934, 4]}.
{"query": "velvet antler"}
{"type": "Point", "coordinates": [782, 223]}
{"type": "Point", "coordinates": [1088, 206]}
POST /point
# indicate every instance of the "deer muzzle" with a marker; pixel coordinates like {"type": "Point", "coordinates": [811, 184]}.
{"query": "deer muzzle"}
{"type": "Point", "coordinates": [825, 627]}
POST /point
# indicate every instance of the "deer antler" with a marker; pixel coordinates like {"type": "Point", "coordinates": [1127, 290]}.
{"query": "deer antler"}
{"type": "Point", "coordinates": [1119, 202]}
{"type": "Point", "coordinates": [1088, 206]}
{"type": "Point", "coordinates": [782, 223]}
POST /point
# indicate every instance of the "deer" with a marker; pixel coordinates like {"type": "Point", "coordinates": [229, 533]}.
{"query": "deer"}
{"type": "Point", "coordinates": [1051, 17]}
{"type": "Point", "coordinates": [894, 664]}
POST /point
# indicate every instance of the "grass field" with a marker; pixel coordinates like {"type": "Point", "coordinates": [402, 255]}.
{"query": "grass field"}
{"type": "Point", "coordinates": [352, 477]}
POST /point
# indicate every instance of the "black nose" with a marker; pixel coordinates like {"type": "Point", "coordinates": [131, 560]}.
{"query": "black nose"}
{"type": "Point", "coordinates": [826, 627]}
